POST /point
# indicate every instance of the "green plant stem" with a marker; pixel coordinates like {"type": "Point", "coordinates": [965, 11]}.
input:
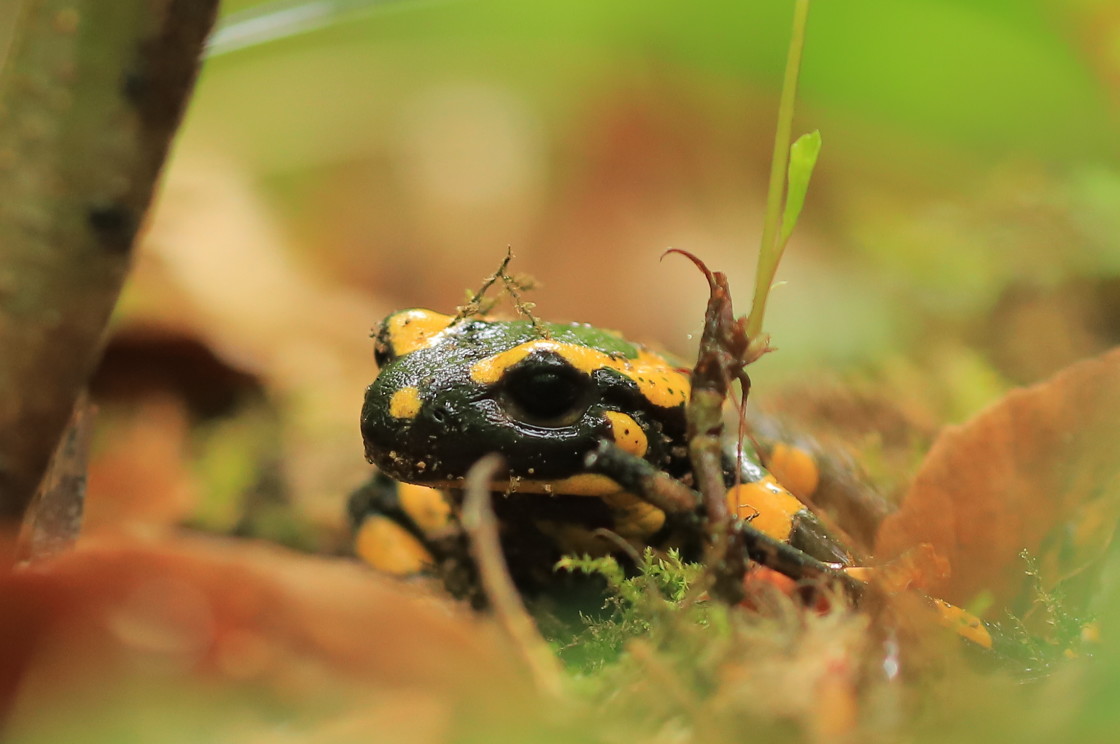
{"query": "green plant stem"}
{"type": "Point", "coordinates": [770, 252]}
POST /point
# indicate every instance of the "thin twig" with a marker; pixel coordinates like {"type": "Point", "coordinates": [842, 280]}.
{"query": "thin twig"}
{"type": "Point", "coordinates": [482, 529]}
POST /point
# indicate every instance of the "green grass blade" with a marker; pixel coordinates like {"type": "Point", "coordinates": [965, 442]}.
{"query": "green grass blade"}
{"type": "Point", "coordinates": [770, 252]}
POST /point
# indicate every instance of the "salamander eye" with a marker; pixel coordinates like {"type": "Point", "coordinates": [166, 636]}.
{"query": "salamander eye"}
{"type": "Point", "coordinates": [547, 395]}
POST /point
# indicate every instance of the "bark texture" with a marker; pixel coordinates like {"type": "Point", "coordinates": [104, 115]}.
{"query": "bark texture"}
{"type": "Point", "coordinates": [91, 93]}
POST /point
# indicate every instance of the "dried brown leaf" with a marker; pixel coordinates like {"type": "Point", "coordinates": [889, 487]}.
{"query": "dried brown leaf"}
{"type": "Point", "coordinates": [1036, 471]}
{"type": "Point", "coordinates": [242, 621]}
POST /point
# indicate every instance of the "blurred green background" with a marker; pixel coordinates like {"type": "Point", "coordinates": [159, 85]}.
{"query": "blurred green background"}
{"type": "Point", "coordinates": [970, 150]}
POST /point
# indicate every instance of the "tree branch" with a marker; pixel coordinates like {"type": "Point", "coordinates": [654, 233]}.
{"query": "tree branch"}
{"type": "Point", "coordinates": [91, 93]}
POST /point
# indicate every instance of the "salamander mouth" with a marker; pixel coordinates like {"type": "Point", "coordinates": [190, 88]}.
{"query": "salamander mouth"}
{"type": "Point", "coordinates": [434, 473]}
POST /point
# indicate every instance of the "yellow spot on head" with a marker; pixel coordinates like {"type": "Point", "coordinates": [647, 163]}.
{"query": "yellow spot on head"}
{"type": "Point", "coordinates": [659, 382]}
{"type": "Point", "coordinates": [768, 506]}
{"type": "Point", "coordinates": [627, 434]}
{"type": "Point", "coordinates": [410, 330]}
{"type": "Point", "coordinates": [390, 548]}
{"type": "Point", "coordinates": [795, 468]}
{"type": "Point", "coordinates": [405, 403]}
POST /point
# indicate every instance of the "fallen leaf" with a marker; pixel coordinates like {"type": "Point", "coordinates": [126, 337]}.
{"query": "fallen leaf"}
{"type": "Point", "coordinates": [126, 631]}
{"type": "Point", "coordinates": [1036, 471]}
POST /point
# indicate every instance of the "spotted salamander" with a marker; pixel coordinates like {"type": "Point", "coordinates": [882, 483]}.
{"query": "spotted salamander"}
{"type": "Point", "coordinates": [543, 396]}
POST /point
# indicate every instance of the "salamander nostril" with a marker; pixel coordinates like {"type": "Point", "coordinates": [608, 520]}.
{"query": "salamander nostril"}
{"type": "Point", "coordinates": [439, 413]}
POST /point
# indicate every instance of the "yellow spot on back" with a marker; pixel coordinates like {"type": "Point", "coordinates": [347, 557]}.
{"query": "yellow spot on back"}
{"type": "Point", "coordinates": [390, 548]}
{"type": "Point", "coordinates": [426, 506]}
{"type": "Point", "coordinates": [795, 469]}
{"type": "Point", "coordinates": [860, 573]}
{"type": "Point", "coordinates": [627, 434]}
{"type": "Point", "coordinates": [405, 403]}
{"type": "Point", "coordinates": [767, 505]}
{"type": "Point", "coordinates": [633, 517]}
{"type": "Point", "coordinates": [658, 381]}
{"type": "Point", "coordinates": [410, 330]}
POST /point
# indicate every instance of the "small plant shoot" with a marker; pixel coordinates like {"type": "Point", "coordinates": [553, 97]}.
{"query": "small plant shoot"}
{"type": "Point", "coordinates": [791, 180]}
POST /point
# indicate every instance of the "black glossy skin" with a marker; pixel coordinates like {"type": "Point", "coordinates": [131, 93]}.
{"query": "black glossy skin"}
{"type": "Point", "coordinates": [460, 420]}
